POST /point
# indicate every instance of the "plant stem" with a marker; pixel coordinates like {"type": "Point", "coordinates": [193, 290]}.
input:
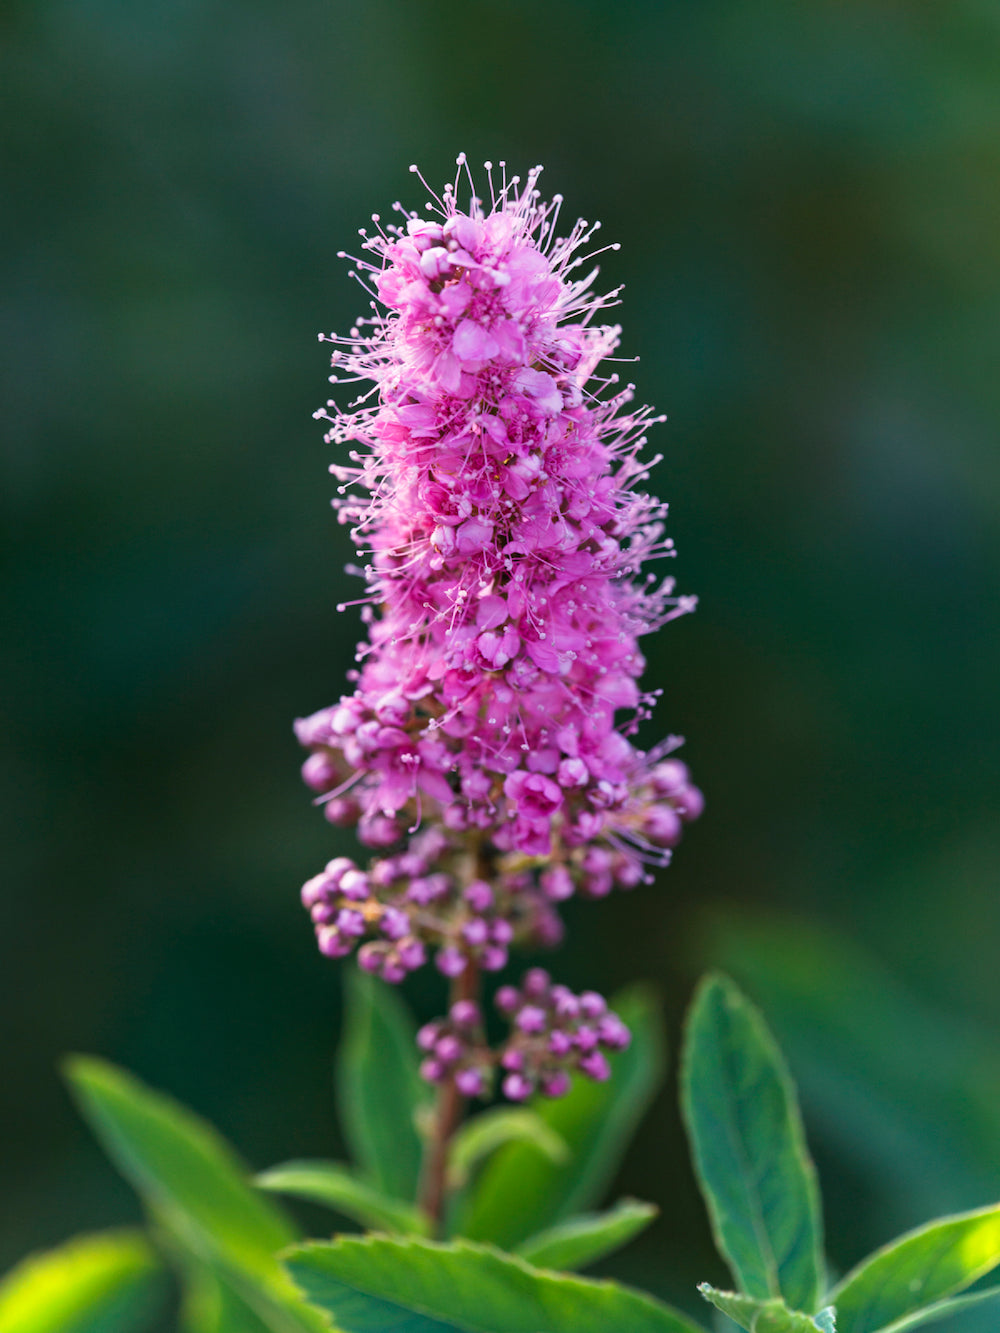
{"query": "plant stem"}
{"type": "Point", "coordinates": [447, 1117]}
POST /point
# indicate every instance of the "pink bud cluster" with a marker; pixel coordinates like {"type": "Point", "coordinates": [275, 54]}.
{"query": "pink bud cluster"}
{"type": "Point", "coordinates": [455, 1049]}
{"type": "Point", "coordinates": [486, 750]}
{"type": "Point", "coordinates": [554, 1032]}
{"type": "Point", "coordinates": [422, 902]}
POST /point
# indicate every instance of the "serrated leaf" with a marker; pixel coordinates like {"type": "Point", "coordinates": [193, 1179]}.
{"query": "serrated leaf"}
{"type": "Point", "coordinates": [584, 1239]}
{"type": "Point", "coordinates": [767, 1316]}
{"type": "Point", "coordinates": [336, 1186]}
{"type": "Point", "coordinates": [378, 1285]}
{"type": "Point", "coordinates": [107, 1282]}
{"type": "Point", "coordinates": [749, 1149]}
{"type": "Point", "coordinates": [519, 1192]}
{"type": "Point", "coordinates": [194, 1185]}
{"type": "Point", "coordinates": [379, 1088]}
{"type": "Point", "coordinates": [918, 1270]}
{"type": "Point", "coordinates": [483, 1134]}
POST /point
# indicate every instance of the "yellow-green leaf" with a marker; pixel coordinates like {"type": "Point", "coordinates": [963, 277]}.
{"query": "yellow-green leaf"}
{"type": "Point", "coordinates": [108, 1282]}
{"type": "Point", "coordinates": [195, 1187]}
{"type": "Point", "coordinates": [923, 1267]}
{"type": "Point", "coordinates": [336, 1186]}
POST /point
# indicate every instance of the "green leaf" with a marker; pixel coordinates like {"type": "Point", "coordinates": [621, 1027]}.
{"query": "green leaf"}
{"type": "Point", "coordinates": [223, 1300]}
{"type": "Point", "coordinates": [767, 1316]}
{"type": "Point", "coordinates": [483, 1134]}
{"type": "Point", "coordinates": [379, 1088]}
{"type": "Point", "coordinates": [749, 1149]}
{"type": "Point", "coordinates": [336, 1186]}
{"type": "Point", "coordinates": [213, 1305]}
{"type": "Point", "coordinates": [923, 1267]}
{"type": "Point", "coordinates": [925, 1129]}
{"type": "Point", "coordinates": [584, 1239]}
{"type": "Point", "coordinates": [108, 1282]}
{"type": "Point", "coordinates": [194, 1185]}
{"type": "Point", "coordinates": [930, 1314]}
{"type": "Point", "coordinates": [519, 1192]}
{"type": "Point", "coordinates": [377, 1285]}
{"type": "Point", "coordinates": [179, 1164]}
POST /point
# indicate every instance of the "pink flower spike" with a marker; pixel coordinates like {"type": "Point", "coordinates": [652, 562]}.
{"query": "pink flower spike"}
{"type": "Point", "coordinates": [492, 471]}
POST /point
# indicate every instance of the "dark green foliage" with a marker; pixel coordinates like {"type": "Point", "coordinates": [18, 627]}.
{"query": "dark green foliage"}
{"type": "Point", "coordinates": [379, 1091]}
{"type": "Point", "coordinates": [760, 1189]}
{"type": "Point", "coordinates": [924, 1131]}
{"type": "Point", "coordinates": [179, 1164]}
{"type": "Point", "coordinates": [226, 1240]}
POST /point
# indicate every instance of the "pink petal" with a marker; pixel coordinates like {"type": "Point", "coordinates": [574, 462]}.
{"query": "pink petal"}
{"type": "Point", "coordinates": [473, 343]}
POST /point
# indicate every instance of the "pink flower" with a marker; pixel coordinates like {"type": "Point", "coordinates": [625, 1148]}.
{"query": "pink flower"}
{"type": "Point", "coordinates": [493, 483]}
{"type": "Point", "coordinates": [535, 796]}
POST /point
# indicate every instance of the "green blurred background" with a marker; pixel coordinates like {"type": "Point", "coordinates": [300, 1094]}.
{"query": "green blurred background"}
{"type": "Point", "coordinates": [806, 196]}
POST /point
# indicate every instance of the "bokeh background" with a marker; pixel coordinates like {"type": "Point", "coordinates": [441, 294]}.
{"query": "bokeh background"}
{"type": "Point", "coordinates": [807, 199]}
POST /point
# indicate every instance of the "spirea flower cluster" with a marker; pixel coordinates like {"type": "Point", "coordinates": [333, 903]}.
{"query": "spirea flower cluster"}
{"type": "Point", "coordinates": [493, 490]}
